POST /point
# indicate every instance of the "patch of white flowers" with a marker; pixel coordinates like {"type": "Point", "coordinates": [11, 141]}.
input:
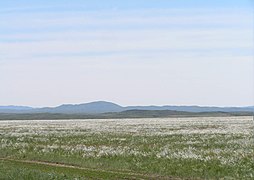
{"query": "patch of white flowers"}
{"type": "Point", "coordinates": [154, 126]}
{"type": "Point", "coordinates": [196, 131]}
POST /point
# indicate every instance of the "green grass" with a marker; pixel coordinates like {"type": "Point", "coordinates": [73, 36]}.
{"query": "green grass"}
{"type": "Point", "coordinates": [140, 162]}
{"type": "Point", "coordinates": [20, 170]}
{"type": "Point", "coordinates": [114, 155]}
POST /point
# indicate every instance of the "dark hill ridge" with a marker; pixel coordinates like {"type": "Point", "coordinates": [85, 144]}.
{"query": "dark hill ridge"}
{"type": "Point", "coordinates": [194, 108]}
{"type": "Point", "coordinates": [99, 107]}
{"type": "Point", "coordinates": [119, 115]}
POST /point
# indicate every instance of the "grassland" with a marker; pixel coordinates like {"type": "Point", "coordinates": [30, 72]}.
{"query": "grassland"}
{"type": "Point", "coordinates": [156, 148]}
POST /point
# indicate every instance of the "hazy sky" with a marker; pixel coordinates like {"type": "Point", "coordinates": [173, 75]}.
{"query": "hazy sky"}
{"type": "Point", "coordinates": [132, 52]}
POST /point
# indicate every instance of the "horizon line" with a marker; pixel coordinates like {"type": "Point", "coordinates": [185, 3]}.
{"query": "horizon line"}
{"type": "Point", "coordinates": [119, 104]}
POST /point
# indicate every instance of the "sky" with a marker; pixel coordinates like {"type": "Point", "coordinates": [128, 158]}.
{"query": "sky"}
{"type": "Point", "coordinates": [135, 52]}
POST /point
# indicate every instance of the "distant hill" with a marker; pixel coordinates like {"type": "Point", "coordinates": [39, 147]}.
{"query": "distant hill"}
{"type": "Point", "coordinates": [136, 113]}
{"type": "Point", "coordinates": [87, 108]}
{"type": "Point", "coordinates": [169, 113]}
{"type": "Point", "coordinates": [119, 115]}
{"type": "Point", "coordinates": [100, 107]}
{"type": "Point", "coordinates": [14, 109]}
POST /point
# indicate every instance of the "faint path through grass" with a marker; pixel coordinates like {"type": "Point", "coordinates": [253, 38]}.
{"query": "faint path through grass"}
{"type": "Point", "coordinates": [107, 173]}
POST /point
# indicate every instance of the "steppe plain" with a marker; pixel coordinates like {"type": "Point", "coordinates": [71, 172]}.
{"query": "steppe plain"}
{"type": "Point", "coordinates": [145, 148]}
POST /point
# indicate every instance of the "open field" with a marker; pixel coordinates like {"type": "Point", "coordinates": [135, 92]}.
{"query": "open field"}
{"type": "Point", "coordinates": [156, 148]}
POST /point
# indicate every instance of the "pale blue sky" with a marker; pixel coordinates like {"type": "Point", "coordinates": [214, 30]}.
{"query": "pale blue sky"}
{"type": "Point", "coordinates": [135, 52]}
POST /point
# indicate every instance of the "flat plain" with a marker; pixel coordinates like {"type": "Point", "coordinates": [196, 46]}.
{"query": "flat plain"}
{"type": "Point", "coordinates": [149, 148]}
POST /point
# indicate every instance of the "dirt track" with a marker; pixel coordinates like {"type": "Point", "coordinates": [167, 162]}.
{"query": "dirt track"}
{"type": "Point", "coordinates": [134, 175]}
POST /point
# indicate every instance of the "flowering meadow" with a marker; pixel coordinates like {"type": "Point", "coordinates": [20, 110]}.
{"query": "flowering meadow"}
{"type": "Point", "coordinates": [156, 148]}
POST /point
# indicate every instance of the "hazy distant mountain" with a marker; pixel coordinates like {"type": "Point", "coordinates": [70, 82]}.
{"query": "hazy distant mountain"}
{"type": "Point", "coordinates": [14, 109]}
{"type": "Point", "coordinates": [89, 108]}
{"type": "Point", "coordinates": [106, 107]}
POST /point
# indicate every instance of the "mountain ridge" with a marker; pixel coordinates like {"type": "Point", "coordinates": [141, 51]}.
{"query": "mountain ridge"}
{"type": "Point", "coordinates": [98, 107]}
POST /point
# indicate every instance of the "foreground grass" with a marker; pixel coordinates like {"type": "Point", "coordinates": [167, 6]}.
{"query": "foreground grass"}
{"type": "Point", "coordinates": [151, 152]}
{"type": "Point", "coordinates": [14, 169]}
